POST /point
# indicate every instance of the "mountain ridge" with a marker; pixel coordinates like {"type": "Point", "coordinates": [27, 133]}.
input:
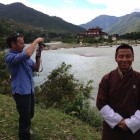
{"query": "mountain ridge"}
{"type": "Point", "coordinates": [21, 13]}
{"type": "Point", "coordinates": [116, 25]}
{"type": "Point", "coordinates": [109, 24]}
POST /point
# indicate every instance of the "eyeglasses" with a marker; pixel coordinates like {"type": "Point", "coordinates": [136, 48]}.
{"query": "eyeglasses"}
{"type": "Point", "coordinates": [16, 35]}
{"type": "Point", "coordinates": [13, 37]}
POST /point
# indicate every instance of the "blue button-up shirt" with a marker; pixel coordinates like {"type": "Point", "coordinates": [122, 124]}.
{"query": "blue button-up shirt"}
{"type": "Point", "coordinates": [21, 68]}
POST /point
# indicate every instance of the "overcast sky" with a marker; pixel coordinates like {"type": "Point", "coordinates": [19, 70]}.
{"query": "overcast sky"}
{"type": "Point", "coordinates": [81, 11]}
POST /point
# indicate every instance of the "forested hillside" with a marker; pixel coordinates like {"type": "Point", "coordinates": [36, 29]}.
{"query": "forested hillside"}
{"type": "Point", "coordinates": [23, 14]}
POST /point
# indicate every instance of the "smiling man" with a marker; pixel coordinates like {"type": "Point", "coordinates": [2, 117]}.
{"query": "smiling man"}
{"type": "Point", "coordinates": [118, 98]}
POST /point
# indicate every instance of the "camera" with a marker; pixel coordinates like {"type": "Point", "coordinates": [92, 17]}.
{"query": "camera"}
{"type": "Point", "coordinates": [39, 49]}
{"type": "Point", "coordinates": [42, 45]}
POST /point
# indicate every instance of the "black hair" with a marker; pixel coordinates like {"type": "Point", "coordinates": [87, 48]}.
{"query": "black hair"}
{"type": "Point", "coordinates": [13, 38]}
{"type": "Point", "coordinates": [124, 46]}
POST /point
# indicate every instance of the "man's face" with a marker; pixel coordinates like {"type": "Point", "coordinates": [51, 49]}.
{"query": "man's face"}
{"type": "Point", "coordinates": [19, 45]}
{"type": "Point", "coordinates": [124, 59]}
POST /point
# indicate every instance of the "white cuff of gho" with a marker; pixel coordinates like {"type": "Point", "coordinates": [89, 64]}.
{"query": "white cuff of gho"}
{"type": "Point", "coordinates": [133, 123]}
{"type": "Point", "coordinates": [111, 118]}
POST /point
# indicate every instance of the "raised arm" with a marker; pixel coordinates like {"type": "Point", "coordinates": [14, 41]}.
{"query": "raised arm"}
{"type": "Point", "coordinates": [30, 50]}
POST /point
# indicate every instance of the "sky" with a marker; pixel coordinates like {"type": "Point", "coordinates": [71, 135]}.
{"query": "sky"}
{"type": "Point", "coordinates": [81, 11]}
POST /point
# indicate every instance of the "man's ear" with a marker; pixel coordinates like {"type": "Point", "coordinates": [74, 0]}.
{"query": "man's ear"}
{"type": "Point", "coordinates": [133, 58]}
{"type": "Point", "coordinates": [115, 59]}
{"type": "Point", "coordinates": [13, 45]}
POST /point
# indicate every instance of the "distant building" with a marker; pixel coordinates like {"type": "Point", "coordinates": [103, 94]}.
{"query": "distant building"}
{"type": "Point", "coordinates": [114, 38]}
{"type": "Point", "coordinates": [94, 32]}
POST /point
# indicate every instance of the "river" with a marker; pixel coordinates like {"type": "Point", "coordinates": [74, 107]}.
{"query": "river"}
{"type": "Point", "coordinates": [88, 63]}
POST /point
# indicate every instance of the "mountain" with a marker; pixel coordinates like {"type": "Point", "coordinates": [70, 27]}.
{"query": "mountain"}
{"type": "Point", "coordinates": [21, 13]}
{"type": "Point", "coordinates": [36, 19]}
{"type": "Point", "coordinates": [126, 24]}
{"type": "Point", "coordinates": [116, 25]}
{"type": "Point", "coordinates": [103, 21]}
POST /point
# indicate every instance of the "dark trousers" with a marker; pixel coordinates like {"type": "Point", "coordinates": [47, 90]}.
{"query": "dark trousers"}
{"type": "Point", "coordinates": [25, 108]}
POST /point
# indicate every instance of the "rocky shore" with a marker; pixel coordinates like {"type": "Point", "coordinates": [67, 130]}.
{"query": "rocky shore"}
{"type": "Point", "coordinates": [60, 45]}
{"type": "Point", "coordinates": [54, 46]}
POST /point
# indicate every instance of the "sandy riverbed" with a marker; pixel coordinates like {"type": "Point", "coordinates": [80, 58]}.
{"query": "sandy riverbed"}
{"type": "Point", "coordinates": [55, 46]}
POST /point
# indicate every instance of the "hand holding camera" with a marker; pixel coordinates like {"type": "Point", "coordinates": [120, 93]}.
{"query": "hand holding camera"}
{"type": "Point", "coordinates": [39, 49]}
{"type": "Point", "coordinates": [40, 44]}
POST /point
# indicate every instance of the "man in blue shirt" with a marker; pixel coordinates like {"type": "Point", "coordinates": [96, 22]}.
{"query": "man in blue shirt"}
{"type": "Point", "coordinates": [21, 68]}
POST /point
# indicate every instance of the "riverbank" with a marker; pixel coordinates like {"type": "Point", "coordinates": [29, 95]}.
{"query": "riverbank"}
{"type": "Point", "coordinates": [58, 45]}
{"type": "Point", "coordinates": [54, 46]}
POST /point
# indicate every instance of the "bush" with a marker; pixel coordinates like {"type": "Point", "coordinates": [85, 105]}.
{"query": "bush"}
{"type": "Point", "coordinates": [63, 91]}
{"type": "Point", "coordinates": [92, 117]}
{"type": "Point", "coordinates": [5, 86]}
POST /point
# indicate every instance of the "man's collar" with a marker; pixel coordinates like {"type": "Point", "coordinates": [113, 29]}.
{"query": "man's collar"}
{"type": "Point", "coordinates": [120, 72]}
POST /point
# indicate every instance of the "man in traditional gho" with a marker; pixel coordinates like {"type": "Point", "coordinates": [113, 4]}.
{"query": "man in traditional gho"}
{"type": "Point", "coordinates": [118, 98]}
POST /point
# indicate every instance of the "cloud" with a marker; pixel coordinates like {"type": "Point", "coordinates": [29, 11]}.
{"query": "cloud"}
{"type": "Point", "coordinates": [12, 1]}
{"type": "Point", "coordinates": [98, 1]}
{"type": "Point", "coordinates": [79, 15]}
{"type": "Point", "coordinates": [68, 1]}
{"type": "Point", "coordinates": [121, 5]}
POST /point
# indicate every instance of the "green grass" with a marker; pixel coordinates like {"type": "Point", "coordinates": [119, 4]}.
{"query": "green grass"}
{"type": "Point", "coordinates": [48, 124]}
